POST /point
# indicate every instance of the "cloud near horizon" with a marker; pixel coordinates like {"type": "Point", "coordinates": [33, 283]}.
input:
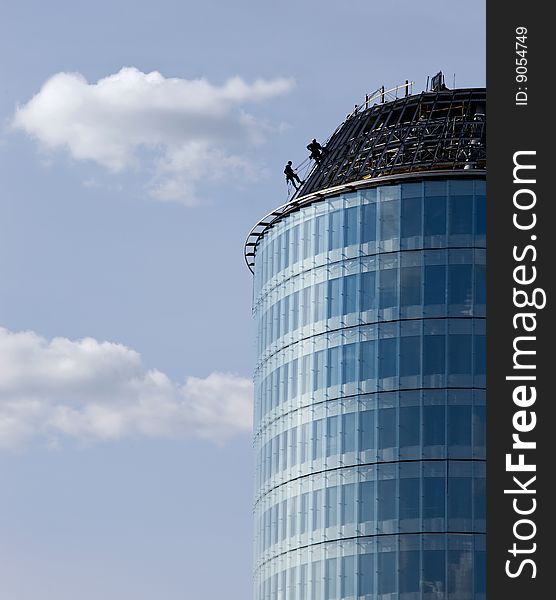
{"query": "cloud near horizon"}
{"type": "Point", "coordinates": [100, 391]}
{"type": "Point", "coordinates": [185, 131]}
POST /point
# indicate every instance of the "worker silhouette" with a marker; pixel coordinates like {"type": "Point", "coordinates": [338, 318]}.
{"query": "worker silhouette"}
{"type": "Point", "coordinates": [316, 151]}
{"type": "Point", "coordinates": [291, 175]}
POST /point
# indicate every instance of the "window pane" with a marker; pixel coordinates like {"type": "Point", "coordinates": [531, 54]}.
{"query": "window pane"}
{"type": "Point", "coordinates": [410, 497]}
{"type": "Point", "coordinates": [387, 428]}
{"type": "Point", "coordinates": [368, 360]}
{"type": "Point", "coordinates": [435, 284]}
{"type": "Point", "coordinates": [411, 217]}
{"type": "Point", "coordinates": [480, 284]}
{"type": "Point", "coordinates": [368, 291]}
{"type": "Point", "coordinates": [349, 363]}
{"type": "Point", "coordinates": [367, 424]}
{"type": "Point", "coordinates": [387, 570]}
{"type": "Point", "coordinates": [459, 284]}
{"type": "Point", "coordinates": [480, 215]}
{"type": "Point", "coordinates": [434, 569]}
{"type": "Point", "coordinates": [386, 499]}
{"type": "Point", "coordinates": [351, 222]}
{"type": "Point", "coordinates": [366, 574]}
{"type": "Point", "coordinates": [459, 354]}
{"type": "Point", "coordinates": [409, 573]}
{"type": "Point", "coordinates": [410, 356]}
{"type": "Point", "coordinates": [350, 294]}
{"type": "Point", "coordinates": [387, 358]}
{"type": "Point", "coordinates": [348, 577]}
{"type": "Point", "coordinates": [433, 425]}
{"type": "Point", "coordinates": [410, 425]}
{"type": "Point", "coordinates": [459, 425]}
{"type": "Point", "coordinates": [367, 501]}
{"type": "Point", "coordinates": [435, 215]}
{"type": "Point", "coordinates": [459, 498]}
{"type": "Point", "coordinates": [334, 297]}
{"type": "Point", "coordinates": [433, 354]}
{"type": "Point", "coordinates": [349, 432]}
{"type": "Point", "coordinates": [368, 223]}
{"type": "Point", "coordinates": [336, 237]}
{"type": "Point", "coordinates": [410, 286]}
{"type": "Point", "coordinates": [389, 219]}
{"type": "Point", "coordinates": [388, 288]}
{"type": "Point", "coordinates": [461, 210]}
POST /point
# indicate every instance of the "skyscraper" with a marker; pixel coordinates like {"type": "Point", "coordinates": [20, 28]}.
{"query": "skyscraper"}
{"type": "Point", "coordinates": [369, 297]}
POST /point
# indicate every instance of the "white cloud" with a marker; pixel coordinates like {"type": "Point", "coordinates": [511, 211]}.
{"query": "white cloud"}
{"type": "Point", "coordinates": [91, 390]}
{"type": "Point", "coordinates": [191, 130]}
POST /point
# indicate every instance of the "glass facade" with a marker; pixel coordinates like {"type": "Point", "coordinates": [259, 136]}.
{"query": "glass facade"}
{"type": "Point", "coordinates": [370, 396]}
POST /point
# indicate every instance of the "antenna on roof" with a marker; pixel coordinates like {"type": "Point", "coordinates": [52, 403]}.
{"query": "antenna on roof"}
{"type": "Point", "coordinates": [437, 83]}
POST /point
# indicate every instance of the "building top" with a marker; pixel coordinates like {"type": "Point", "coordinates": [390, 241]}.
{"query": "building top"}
{"type": "Point", "coordinates": [440, 132]}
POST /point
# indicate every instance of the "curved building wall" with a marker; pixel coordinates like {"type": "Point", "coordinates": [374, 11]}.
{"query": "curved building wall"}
{"type": "Point", "coordinates": [370, 396]}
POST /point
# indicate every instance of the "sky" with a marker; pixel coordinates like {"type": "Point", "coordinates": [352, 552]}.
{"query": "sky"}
{"type": "Point", "coordinates": [139, 142]}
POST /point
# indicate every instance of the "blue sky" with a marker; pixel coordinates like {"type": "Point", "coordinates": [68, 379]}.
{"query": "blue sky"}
{"type": "Point", "coordinates": [139, 142]}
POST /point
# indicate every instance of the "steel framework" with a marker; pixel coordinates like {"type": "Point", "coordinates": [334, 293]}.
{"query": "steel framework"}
{"type": "Point", "coordinates": [429, 131]}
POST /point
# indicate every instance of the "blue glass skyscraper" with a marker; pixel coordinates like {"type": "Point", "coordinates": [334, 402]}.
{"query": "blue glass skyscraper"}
{"type": "Point", "coordinates": [369, 299]}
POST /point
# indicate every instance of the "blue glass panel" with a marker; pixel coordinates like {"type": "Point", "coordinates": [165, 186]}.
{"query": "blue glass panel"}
{"type": "Point", "coordinates": [349, 363]}
{"type": "Point", "coordinates": [333, 436]}
{"type": "Point", "coordinates": [434, 425]}
{"type": "Point", "coordinates": [336, 232]}
{"type": "Point", "coordinates": [435, 215]}
{"type": "Point", "coordinates": [388, 288]}
{"type": "Point", "coordinates": [480, 354]}
{"type": "Point", "coordinates": [480, 284]}
{"type": "Point", "coordinates": [459, 425]}
{"type": "Point", "coordinates": [480, 215]}
{"type": "Point", "coordinates": [387, 570]}
{"type": "Point", "coordinates": [410, 286]}
{"type": "Point", "coordinates": [349, 432]}
{"type": "Point", "coordinates": [434, 573]}
{"type": "Point", "coordinates": [351, 226]}
{"type": "Point", "coordinates": [459, 354]}
{"type": "Point", "coordinates": [350, 294]}
{"type": "Point", "coordinates": [435, 284]}
{"type": "Point", "coordinates": [389, 219]}
{"type": "Point", "coordinates": [330, 586]}
{"type": "Point", "coordinates": [411, 216]}
{"type": "Point", "coordinates": [434, 495]}
{"type": "Point", "coordinates": [480, 571]}
{"type": "Point", "coordinates": [387, 357]}
{"type": "Point", "coordinates": [460, 575]}
{"type": "Point", "coordinates": [331, 518]}
{"type": "Point", "coordinates": [367, 501]}
{"type": "Point", "coordinates": [410, 498]}
{"type": "Point", "coordinates": [368, 223]}
{"type": "Point", "coordinates": [460, 503]}
{"type": "Point", "coordinates": [348, 576]}
{"type": "Point", "coordinates": [433, 354]}
{"type": "Point", "coordinates": [410, 356]}
{"type": "Point", "coordinates": [410, 425]}
{"type": "Point", "coordinates": [367, 425]}
{"type": "Point", "coordinates": [459, 284]}
{"type": "Point", "coordinates": [409, 572]}
{"type": "Point", "coordinates": [386, 494]}
{"type": "Point", "coordinates": [461, 215]}
{"type": "Point", "coordinates": [479, 498]}
{"type": "Point", "coordinates": [366, 574]}
{"type": "Point", "coordinates": [334, 298]}
{"type": "Point", "coordinates": [368, 360]}
{"type": "Point", "coordinates": [368, 291]}
{"type": "Point", "coordinates": [348, 503]}
{"type": "Point", "coordinates": [387, 428]}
